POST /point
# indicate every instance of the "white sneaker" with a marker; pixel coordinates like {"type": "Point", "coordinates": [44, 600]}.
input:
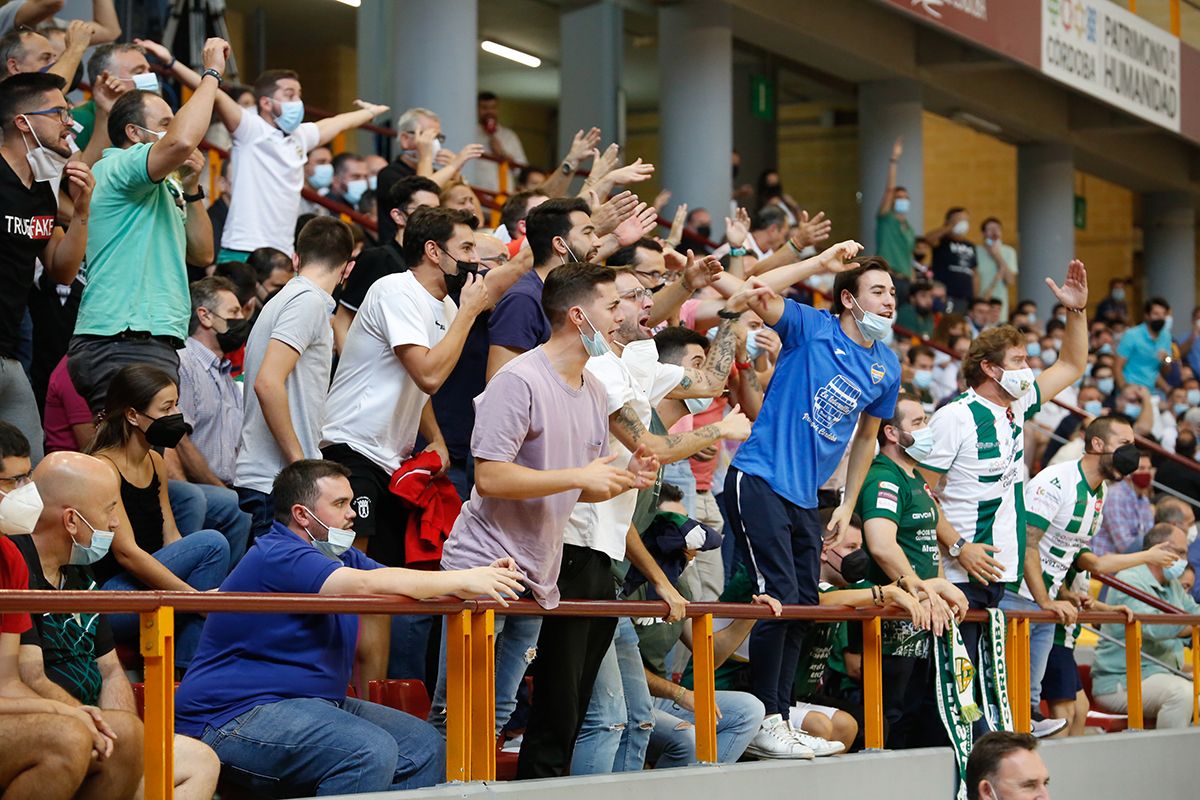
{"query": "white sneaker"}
{"type": "Point", "coordinates": [776, 740]}
{"type": "Point", "coordinates": [820, 747]}
{"type": "Point", "coordinates": [1041, 728]}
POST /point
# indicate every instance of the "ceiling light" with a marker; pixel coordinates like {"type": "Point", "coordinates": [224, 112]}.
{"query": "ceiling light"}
{"type": "Point", "coordinates": [352, 3]}
{"type": "Point", "coordinates": [510, 53]}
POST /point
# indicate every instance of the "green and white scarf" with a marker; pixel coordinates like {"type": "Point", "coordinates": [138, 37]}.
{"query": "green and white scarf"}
{"type": "Point", "coordinates": [956, 696]}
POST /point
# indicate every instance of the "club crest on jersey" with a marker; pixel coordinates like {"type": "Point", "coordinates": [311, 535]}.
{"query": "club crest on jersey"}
{"type": "Point", "coordinates": [877, 373]}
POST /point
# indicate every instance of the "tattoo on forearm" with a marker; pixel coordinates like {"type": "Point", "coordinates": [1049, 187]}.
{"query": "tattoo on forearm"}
{"type": "Point", "coordinates": [722, 351]}
{"type": "Point", "coordinates": [628, 420]}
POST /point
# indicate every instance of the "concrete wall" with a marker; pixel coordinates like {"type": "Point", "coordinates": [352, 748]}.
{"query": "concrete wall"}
{"type": "Point", "coordinates": [1152, 764]}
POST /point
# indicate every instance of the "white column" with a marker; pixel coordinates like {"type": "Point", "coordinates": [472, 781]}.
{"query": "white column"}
{"type": "Point", "coordinates": [695, 64]}
{"type": "Point", "coordinates": [434, 50]}
{"type": "Point", "coordinates": [590, 73]}
{"type": "Point", "coordinates": [1045, 220]}
{"type": "Point", "coordinates": [888, 110]}
{"type": "Point", "coordinates": [1169, 227]}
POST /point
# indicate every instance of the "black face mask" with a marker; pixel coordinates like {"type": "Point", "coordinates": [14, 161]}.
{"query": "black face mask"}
{"type": "Point", "coordinates": [455, 283]}
{"type": "Point", "coordinates": [704, 231]}
{"type": "Point", "coordinates": [167, 431]}
{"type": "Point", "coordinates": [1125, 459]}
{"type": "Point", "coordinates": [1156, 325]}
{"type": "Point", "coordinates": [236, 332]}
{"type": "Point", "coordinates": [854, 566]}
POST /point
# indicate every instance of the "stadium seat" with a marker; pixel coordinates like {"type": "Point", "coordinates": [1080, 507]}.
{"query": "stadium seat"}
{"type": "Point", "coordinates": [1097, 718]}
{"type": "Point", "coordinates": [409, 696]}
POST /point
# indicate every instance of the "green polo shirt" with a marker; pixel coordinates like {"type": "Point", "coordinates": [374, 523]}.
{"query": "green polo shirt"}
{"type": "Point", "coordinates": [136, 275]}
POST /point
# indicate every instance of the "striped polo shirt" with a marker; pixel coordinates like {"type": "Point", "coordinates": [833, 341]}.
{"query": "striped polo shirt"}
{"type": "Point", "coordinates": [979, 446]}
{"type": "Point", "coordinates": [1060, 502]}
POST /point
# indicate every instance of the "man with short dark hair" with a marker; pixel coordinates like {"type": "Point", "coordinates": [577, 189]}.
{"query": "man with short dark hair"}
{"type": "Point", "coordinates": [917, 314]}
{"type": "Point", "coordinates": [145, 226]}
{"type": "Point", "coordinates": [287, 364]}
{"type": "Point", "coordinates": [1007, 761]}
{"type": "Point", "coordinates": [954, 260]}
{"type": "Point", "coordinates": [501, 142]}
{"type": "Point", "coordinates": [268, 692]}
{"type": "Point", "coordinates": [1143, 348]}
{"type": "Point", "coordinates": [768, 231]}
{"type": "Point", "coordinates": [349, 179]}
{"type": "Point", "coordinates": [512, 216]}
{"type": "Point", "coordinates": [834, 375]}
{"type": "Point", "coordinates": [272, 269]}
{"type": "Point", "coordinates": [122, 61]}
{"type": "Point", "coordinates": [270, 146]}
{"type": "Point", "coordinates": [34, 117]}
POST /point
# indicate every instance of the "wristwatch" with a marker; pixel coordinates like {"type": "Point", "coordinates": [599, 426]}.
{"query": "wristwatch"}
{"type": "Point", "coordinates": [957, 547]}
{"type": "Point", "coordinates": [567, 169]}
{"type": "Point", "coordinates": [725, 313]}
{"type": "Point", "coordinates": [192, 198]}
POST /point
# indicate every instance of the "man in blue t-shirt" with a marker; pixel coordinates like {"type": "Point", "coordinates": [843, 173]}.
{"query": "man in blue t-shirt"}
{"type": "Point", "coordinates": [833, 369]}
{"type": "Point", "coordinates": [1144, 348]}
{"type": "Point", "coordinates": [268, 691]}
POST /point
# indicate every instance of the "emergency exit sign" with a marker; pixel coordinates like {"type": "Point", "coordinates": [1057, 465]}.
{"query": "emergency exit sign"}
{"type": "Point", "coordinates": [762, 98]}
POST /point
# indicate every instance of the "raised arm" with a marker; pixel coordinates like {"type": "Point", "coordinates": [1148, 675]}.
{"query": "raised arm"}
{"type": "Point", "coordinates": [79, 36]}
{"type": "Point", "coordinates": [889, 189]}
{"type": "Point", "coordinates": [1073, 358]}
{"type": "Point", "coordinates": [187, 129]}
{"type": "Point", "coordinates": [106, 26]}
{"type": "Point", "coordinates": [330, 127]}
{"type": "Point", "coordinates": [229, 112]}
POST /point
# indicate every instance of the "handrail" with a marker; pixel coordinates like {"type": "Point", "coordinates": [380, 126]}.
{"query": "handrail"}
{"type": "Point", "coordinates": [1141, 441]}
{"type": "Point", "coordinates": [470, 660]}
{"type": "Point", "coordinates": [1137, 594]}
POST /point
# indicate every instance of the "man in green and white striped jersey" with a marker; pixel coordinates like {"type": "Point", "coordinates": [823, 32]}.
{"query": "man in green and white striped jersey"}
{"type": "Point", "coordinates": [977, 465]}
{"type": "Point", "coordinates": [1063, 505]}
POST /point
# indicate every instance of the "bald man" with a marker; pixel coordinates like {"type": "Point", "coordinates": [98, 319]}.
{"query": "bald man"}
{"type": "Point", "coordinates": [70, 658]}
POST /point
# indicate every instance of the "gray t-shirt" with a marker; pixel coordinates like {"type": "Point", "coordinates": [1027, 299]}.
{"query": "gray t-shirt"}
{"type": "Point", "coordinates": [298, 316]}
{"type": "Point", "coordinates": [529, 416]}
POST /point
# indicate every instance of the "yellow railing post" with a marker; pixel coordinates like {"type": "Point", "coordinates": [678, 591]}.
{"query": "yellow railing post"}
{"type": "Point", "coordinates": [1176, 25]}
{"type": "Point", "coordinates": [872, 684]}
{"type": "Point", "coordinates": [502, 176]}
{"type": "Point", "coordinates": [458, 696]}
{"type": "Point", "coordinates": [1133, 674]}
{"type": "Point", "coordinates": [1196, 675]}
{"type": "Point", "coordinates": [705, 683]}
{"type": "Point", "coordinates": [214, 173]}
{"type": "Point", "coordinates": [158, 651]}
{"type": "Point", "coordinates": [483, 696]}
{"type": "Point", "coordinates": [1019, 678]}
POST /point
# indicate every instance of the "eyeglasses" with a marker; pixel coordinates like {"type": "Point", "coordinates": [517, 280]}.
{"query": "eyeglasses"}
{"type": "Point", "coordinates": [501, 259]}
{"type": "Point", "coordinates": [64, 114]}
{"type": "Point", "coordinates": [659, 277]}
{"type": "Point", "coordinates": [441, 137]}
{"type": "Point", "coordinates": [637, 294]}
{"type": "Point", "coordinates": [16, 481]}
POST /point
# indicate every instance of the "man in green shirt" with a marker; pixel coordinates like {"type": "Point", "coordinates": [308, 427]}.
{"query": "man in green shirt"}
{"type": "Point", "coordinates": [145, 225]}
{"type": "Point", "coordinates": [1165, 695]}
{"type": "Point", "coordinates": [900, 519]}
{"type": "Point", "coordinates": [894, 236]}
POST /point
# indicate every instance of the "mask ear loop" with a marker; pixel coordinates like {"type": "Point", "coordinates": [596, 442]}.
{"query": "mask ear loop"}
{"type": "Point", "coordinates": [36, 140]}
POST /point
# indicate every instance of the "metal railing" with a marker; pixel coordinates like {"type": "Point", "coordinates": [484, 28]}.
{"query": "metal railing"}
{"type": "Point", "coordinates": [470, 657]}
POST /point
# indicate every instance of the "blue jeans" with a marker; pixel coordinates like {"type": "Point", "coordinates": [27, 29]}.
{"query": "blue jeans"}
{"type": "Point", "coordinates": [673, 743]}
{"type": "Point", "coordinates": [261, 508]}
{"type": "Point", "coordinates": [302, 747]}
{"type": "Point", "coordinates": [201, 560]}
{"type": "Point", "coordinates": [679, 473]}
{"type": "Point", "coordinates": [516, 647]}
{"type": "Point", "coordinates": [616, 728]}
{"type": "Point", "coordinates": [1041, 640]}
{"type": "Point", "coordinates": [462, 476]}
{"type": "Point", "coordinates": [408, 646]}
{"type": "Point", "coordinates": [201, 506]}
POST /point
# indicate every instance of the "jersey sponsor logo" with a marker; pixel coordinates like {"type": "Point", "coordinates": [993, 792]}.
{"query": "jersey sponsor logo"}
{"type": "Point", "coordinates": [34, 227]}
{"type": "Point", "coordinates": [987, 445]}
{"type": "Point", "coordinates": [888, 486]}
{"type": "Point", "coordinates": [1055, 483]}
{"type": "Point", "coordinates": [877, 372]}
{"type": "Point", "coordinates": [886, 501]}
{"type": "Point", "coordinates": [831, 403]}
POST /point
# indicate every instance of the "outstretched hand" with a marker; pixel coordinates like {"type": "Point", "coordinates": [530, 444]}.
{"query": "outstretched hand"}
{"type": "Point", "coordinates": [1074, 291]}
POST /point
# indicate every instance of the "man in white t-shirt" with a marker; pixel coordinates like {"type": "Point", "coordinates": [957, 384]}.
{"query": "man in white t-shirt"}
{"type": "Point", "coordinates": [270, 148]}
{"type": "Point", "coordinates": [501, 142]}
{"type": "Point", "coordinates": [978, 442]}
{"type": "Point", "coordinates": [403, 344]}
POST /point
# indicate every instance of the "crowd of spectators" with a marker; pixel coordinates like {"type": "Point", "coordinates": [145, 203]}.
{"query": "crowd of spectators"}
{"type": "Point", "coordinates": [551, 401]}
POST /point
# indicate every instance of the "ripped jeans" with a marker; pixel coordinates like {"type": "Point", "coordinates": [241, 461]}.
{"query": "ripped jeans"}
{"type": "Point", "coordinates": [616, 729]}
{"type": "Point", "coordinates": [673, 742]}
{"type": "Point", "coordinates": [516, 647]}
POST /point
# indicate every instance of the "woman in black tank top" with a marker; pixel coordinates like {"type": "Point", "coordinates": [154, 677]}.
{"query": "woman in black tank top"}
{"type": "Point", "coordinates": [148, 552]}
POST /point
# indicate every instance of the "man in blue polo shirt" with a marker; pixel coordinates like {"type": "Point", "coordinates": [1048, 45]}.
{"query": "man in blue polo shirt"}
{"type": "Point", "coordinates": [833, 370]}
{"type": "Point", "coordinates": [1144, 347]}
{"type": "Point", "coordinates": [268, 691]}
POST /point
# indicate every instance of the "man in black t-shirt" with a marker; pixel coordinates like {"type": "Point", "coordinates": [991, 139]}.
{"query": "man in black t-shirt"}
{"type": "Point", "coordinates": [954, 260]}
{"type": "Point", "coordinates": [35, 120]}
{"type": "Point", "coordinates": [404, 197]}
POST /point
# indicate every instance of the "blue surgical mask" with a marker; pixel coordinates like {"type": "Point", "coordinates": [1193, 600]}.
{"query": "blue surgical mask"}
{"type": "Point", "coordinates": [337, 541]}
{"type": "Point", "coordinates": [1033, 349]}
{"type": "Point", "coordinates": [146, 82]}
{"type": "Point", "coordinates": [291, 114]}
{"type": "Point", "coordinates": [1049, 356]}
{"type": "Point", "coordinates": [1106, 349]}
{"type": "Point", "coordinates": [697, 404]}
{"type": "Point", "coordinates": [752, 348]}
{"type": "Point", "coordinates": [322, 176]}
{"type": "Point", "coordinates": [1193, 397]}
{"type": "Point", "coordinates": [1093, 408]}
{"type": "Point", "coordinates": [1106, 385]}
{"type": "Point", "coordinates": [901, 205]}
{"type": "Point", "coordinates": [923, 378]}
{"type": "Point", "coordinates": [595, 345]}
{"type": "Point", "coordinates": [1132, 410]}
{"type": "Point", "coordinates": [1175, 571]}
{"type": "Point", "coordinates": [874, 327]}
{"type": "Point", "coordinates": [101, 541]}
{"type": "Point", "coordinates": [1180, 409]}
{"type": "Point", "coordinates": [922, 444]}
{"type": "Point", "coordinates": [373, 182]}
{"type": "Point", "coordinates": [354, 191]}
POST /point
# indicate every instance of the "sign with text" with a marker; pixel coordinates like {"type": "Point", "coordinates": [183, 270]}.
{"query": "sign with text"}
{"type": "Point", "coordinates": [1101, 49]}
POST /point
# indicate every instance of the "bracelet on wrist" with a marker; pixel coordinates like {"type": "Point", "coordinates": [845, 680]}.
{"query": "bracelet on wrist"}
{"type": "Point", "coordinates": [737, 252]}
{"type": "Point", "coordinates": [679, 694]}
{"type": "Point", "coordinates": [173, 61]}
{"type": "Point", "coordinates": [795, 249]}
{"type": "Point", "coordinates": [725, 313]}
{"type": "Point", "coordinates": [744, 364]}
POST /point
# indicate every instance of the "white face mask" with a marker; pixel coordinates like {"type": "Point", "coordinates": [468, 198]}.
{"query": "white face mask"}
{"type": "Point", "coordinates": [1017, 382]}
{"type": "Point", "coordinates": [20, 509]}
{"type": "Point", "coordinates": [46, 164]}
{"type": "Point", "coordinates": [1191, 533]}
{"type": "Point", "coordinates": [337, 540]}
{"type": "Point", "coordinates": [156, 134]}
{"type": "Point", "coordinates": [961, 227]}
